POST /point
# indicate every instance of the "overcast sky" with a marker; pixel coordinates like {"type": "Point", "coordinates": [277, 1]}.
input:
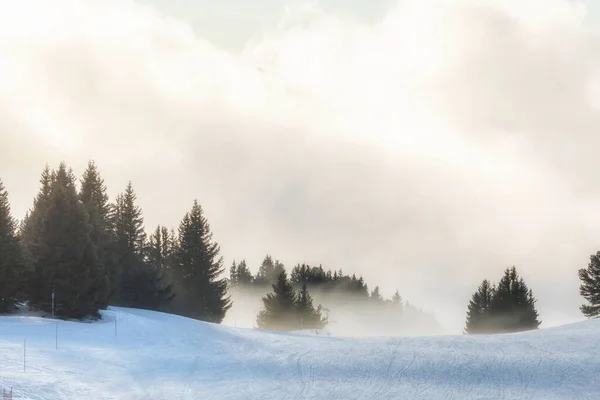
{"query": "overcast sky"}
{"type": "Point", "coordinates": [426, 144]}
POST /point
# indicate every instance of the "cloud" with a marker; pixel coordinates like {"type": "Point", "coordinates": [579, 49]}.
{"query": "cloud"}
{"type": "Point", "coordinates": [427, 152]}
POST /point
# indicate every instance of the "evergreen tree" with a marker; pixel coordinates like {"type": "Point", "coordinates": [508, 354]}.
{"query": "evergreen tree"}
{"type": "Point", "coordinates": [30, 229]}
{"type": "Point", "coordinates": [204, 292]}
{"type": "Point", "coordinates": [397, 299]}
{"type": "Point", "coordinates": [478, 313]}
{"type": "Point", "coordinates": [11, 258]}
{"type": "Point", "coordinates": [269, 271]}
{"type": "Point", "coordinates": [139, 281]}
{"type": "Point", "coordinates": [158, 273]}
{"type": "Point", "coordinates": [590, 287]}
{"type": "Point", "coordinates": [244, 276]}
{"type": "Point", "coordinates": [63, 253]}
{"type": "Point", "coordinates": [376, 295]}
{"type": "Point", "coordinates": [93, 196]}
{"type": "Point", "coordinates": [279, 312]}
{"type": "Point", "coordinates": [510, 307]}
{"type": "Point", "coordinates": [233, 279]}
{"type": "Point", "coordinates": [307, 316]}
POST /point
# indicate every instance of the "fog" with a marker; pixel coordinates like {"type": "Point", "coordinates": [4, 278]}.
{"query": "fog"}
{"type": "Point", "coordinates": [426, 151]}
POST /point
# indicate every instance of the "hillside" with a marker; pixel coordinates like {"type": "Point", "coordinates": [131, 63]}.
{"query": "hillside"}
{"type": "Point", "coordinates": [160, 356]}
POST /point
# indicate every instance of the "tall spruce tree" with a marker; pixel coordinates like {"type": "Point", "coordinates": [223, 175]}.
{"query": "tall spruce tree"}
{"type": "Point", "coordinates": [11, 257]}
{"type": "Point", "coordinates": [308, 317]}
{"type": "Point", "coordinates": [199, 268]}
{"type": "Point", "coordinates": [159, 275]}
{"type": "Point", "coordinates": [95, 199]}
{"type": "Point", "coordinates": [140, 284]}
{"type": "Point", "coordinates": [63, 253]}
{"type": "Point", "coordinates": [590, 287]}
{"type": "Point", "coordinates": [279, 311]}
{"type": "Point", "coordinates": [30, 229]}
{"type": "Point", "coordinates": [478, 313]}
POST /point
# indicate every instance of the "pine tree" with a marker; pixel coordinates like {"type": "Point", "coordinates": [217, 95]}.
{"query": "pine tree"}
{"type": "Point", "coordinates": [138, 282]}
{"type": "Point", "coordinates": [204, 292]}
{"type": "Point", "coordinates": [93, 196]}
{"type": "Point", "coordinates": [233, 275]}
{"type": "Point", "coordinates": [590, 287]}
{"type": "Point", "coordinates": [507, 307]}
{"type": "Point", "coordinates": [308, 317]}
{"type": "Point", "coordinates": [268, 272]}
{"type": "Point", "coordinates": [11, 257]}
{"type": "Point", "coordinates": [158, 272]}
{"type": "Point", "coordinates": [279, 312]}
{"type": "Point", "coordinates": [63, 252]}
{"type": "Point", "coordinates": [30, 229]}
{"type": "Point", "coordinates": [376, 295]}
{"type": "Point", "coordinates": [244, 276]}
{"type": "Point", "coordinates": [478, 313]}
{"type": "Point", "coordinates": [397, 299]}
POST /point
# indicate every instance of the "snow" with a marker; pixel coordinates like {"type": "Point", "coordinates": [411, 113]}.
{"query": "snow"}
{"type": "Point", "coordinates": [161, 356]}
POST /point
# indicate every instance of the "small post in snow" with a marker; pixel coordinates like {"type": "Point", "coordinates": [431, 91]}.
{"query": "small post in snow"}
{"type": "Point", "coordinates": [53, 303]}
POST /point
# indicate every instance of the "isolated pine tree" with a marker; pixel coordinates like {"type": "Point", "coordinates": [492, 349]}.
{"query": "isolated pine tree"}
{"type": "Point", "coordinates": [95, 199]}
{"type": "Point", "coordinates": [279, 307]}
{"type": "Point", "coordinates": [11, 257]}
{"type": "Point", "coordinates": [478, 313]}
{"type": "Point", "coordinates": [199, 268]}
{"type": "Point", "coordinates": [590, 287]}
{"type": "Point", "coordinates": [64, 255]}
{"type": "Point", "coordinates": [308, 317]}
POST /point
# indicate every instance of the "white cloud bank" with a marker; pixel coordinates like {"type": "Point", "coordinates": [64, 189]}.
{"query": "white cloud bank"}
{"type": "Point", "coordinates": [427, 152]}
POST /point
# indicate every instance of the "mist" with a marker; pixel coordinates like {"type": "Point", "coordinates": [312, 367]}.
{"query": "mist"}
{"type": "Point", "coordinates": [347, 315]}
{"type": "Point", "coordinates": [425, 151]}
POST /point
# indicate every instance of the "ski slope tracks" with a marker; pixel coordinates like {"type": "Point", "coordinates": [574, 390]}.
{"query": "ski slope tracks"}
{"type": "Point", "coordinates": [159, 356]}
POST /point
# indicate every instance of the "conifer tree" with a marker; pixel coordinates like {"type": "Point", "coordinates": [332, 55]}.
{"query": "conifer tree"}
{"type": "Point", "coordinates": [376, 295]}
{"type": "Point", "coordinates": [233, 278]}
{"type": "Point", "coordinates": [269, 271]}
{"type": "Point", "coordinates": [510, 307]}
{"type": "Point", "coordinates": [139, 283]}
{"type": "Point", "coordinates": [158, 273]}
{"type": "Point", "coordinates": [308, 317]}
{"type": "Point", "coordinates": [11, 257]}
{"type": "Point", "coordinates": [244, 276]}
{"type": "Point", "coordinates": [199, 269]}
{"type": "Point", "coordinates": [93, 196]}
{"type": "Point", "coordinates": [397, 299]}
{"type": "Point", "coordinates": [63, 252]}
{"type": "Point", "coordinates": [590, 287]}
{"type": "Point", "coordinates": [279, 307]}
{"type": "Point", "coordinates": [478, 313]}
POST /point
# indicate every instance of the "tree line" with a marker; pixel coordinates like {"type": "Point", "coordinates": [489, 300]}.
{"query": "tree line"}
{"type": "Point", "coordinates": [88, 252]}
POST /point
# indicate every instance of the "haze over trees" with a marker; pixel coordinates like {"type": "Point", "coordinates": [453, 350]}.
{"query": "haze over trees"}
{"type": "Point", "coordinates": [508, 306]}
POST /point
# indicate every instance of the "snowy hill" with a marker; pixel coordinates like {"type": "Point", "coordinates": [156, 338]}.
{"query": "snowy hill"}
{"type": "Point", "coordinates": [160, 356]}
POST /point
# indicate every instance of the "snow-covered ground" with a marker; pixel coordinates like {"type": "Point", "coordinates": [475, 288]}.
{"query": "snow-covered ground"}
{"type": "Point", "coordinates": [160, 356]}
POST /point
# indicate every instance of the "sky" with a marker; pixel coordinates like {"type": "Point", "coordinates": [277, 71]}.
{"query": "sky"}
{"type": "Point", "coordinates": [425, 144]}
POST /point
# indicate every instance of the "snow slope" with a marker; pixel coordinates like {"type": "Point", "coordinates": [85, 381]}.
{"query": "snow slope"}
{"type": "Point", "coordinates": [160, 356]}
